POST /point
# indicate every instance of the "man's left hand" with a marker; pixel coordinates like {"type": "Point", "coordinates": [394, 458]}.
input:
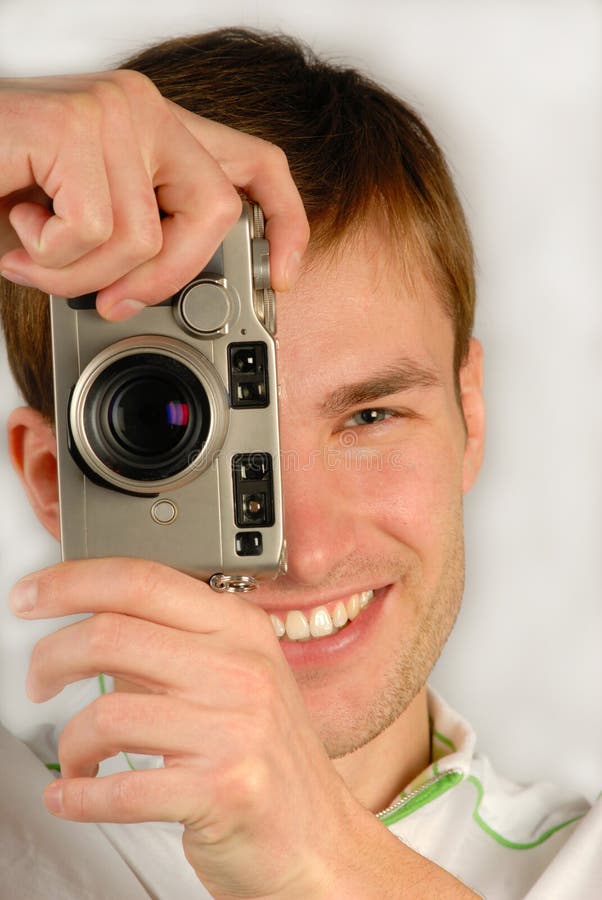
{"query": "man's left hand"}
{"type": "Point", "coordinates": [244, 772]}
{"type": "Point", "coordinates": [265, 813]}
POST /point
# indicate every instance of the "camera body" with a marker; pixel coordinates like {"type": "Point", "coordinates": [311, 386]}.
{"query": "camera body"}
{"type": "Point", "coordinates": [167, 424]}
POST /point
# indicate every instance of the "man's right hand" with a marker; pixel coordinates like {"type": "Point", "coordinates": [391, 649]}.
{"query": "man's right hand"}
{"type": "Point", "coordinates": [107, 186]}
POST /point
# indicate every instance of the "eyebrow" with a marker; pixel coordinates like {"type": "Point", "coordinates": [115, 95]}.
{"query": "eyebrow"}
{"type": "Point", "coordinates": [404, 376]}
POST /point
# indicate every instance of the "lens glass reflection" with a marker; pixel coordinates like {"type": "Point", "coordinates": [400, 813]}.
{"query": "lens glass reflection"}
{"type": "Point", "coordinates": [149, 416]}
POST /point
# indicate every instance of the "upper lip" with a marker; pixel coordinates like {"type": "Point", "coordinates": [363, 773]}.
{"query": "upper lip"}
{"type": "Point", "coordinates": [323, 600]}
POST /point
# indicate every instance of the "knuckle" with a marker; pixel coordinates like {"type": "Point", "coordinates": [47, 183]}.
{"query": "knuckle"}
{"type": "Point", "coordinates": [84, 112]}
{"type": "Point", "coordinates": [270, 157]}
{"type": "Point", "coordinates": [107, 93]}
{"type": "Point", "coordinates": [143, 242]}
{"type": "Point", "coordinates": [75, 799]}
{"type": "Point", "coordinates": [227, 207]}
{"type": "Point", "coordinates": [95, 226]}
{"type": "Point", "coordinates": [105, 632]}
{"type": "Point", "coordinates": [146, 578]}
{"type": "Point", "coordinates": [134, 83]}
{"type": "Point", "coordinates": [124, 794]}
{"type": "Point", "coordinates": [79, 111]}
{"type": "Point", "coordinates": [275, 156]}
{"type": "Point", "coordinates": [106, 714]}
{"type": "Point", "coordinates": [121, 91]}
{"type": "Point", "coordinates": [149, 235]}
{"type": "Point", "coordinates": [248, 781]}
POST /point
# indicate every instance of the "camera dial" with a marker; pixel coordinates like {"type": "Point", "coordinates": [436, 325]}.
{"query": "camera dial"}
{"type": "Point", "coordinates": [207, 306]}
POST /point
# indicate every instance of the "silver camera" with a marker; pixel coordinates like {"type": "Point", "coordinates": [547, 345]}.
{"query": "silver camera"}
{"type": "Point", "coordinates": [167, 424]}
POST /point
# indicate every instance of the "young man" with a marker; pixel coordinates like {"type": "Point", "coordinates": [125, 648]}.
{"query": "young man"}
{"type": "Point", "coordinates": [294, 765]}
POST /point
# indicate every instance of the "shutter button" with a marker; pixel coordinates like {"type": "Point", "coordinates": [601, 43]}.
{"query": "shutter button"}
{"type": "Point", "coordinates": [204, 308]}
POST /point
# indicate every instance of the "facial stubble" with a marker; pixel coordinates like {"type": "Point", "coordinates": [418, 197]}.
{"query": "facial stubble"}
{"type": "Point", "coordinates": [411, 663]}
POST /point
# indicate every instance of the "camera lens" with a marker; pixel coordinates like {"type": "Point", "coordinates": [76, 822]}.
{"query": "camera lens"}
{"type": "Point", "coordinates": [147, 416]}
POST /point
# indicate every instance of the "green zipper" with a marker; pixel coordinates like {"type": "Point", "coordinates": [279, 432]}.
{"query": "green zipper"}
{"type": "Point", "coordinates": [406, 804]}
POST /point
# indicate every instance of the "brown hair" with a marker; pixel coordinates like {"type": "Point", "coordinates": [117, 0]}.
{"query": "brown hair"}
{"type": "Point", "coordinates": [353, 150]}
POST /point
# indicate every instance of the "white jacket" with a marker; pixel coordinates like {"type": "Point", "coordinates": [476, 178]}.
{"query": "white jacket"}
{"type": "Point", "coordinates": [503, 840]}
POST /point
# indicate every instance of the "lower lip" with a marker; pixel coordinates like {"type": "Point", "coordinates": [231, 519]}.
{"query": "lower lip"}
{"type": "Point", "coordinates": [334, 648]}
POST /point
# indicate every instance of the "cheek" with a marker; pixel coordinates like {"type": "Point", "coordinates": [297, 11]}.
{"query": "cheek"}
{"type": "Point", "coordinates": [412, 492]}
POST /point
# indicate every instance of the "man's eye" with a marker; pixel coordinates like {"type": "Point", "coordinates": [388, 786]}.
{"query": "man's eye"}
{"type": "Point", "coordinates": [368, 417]}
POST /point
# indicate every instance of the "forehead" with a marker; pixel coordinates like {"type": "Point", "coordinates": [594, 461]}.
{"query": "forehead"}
{"type": "Point", "coordinates": [358, 309]}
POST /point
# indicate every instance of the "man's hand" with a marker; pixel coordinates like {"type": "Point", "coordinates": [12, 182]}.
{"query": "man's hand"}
{"type": "Point", "coordinates": [107, 186]}
{"type": "Point", "coordinates": [244, 771]}
{"type": "Point", "coordinates": [265, 813]}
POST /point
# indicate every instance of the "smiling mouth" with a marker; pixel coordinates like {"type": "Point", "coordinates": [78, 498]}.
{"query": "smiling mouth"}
{"type": "Point", "coordinates": [321, 621]}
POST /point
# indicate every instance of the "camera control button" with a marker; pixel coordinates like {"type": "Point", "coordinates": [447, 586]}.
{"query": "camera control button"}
{"type": "Point", "coordinates": [261, 264]}
{"type": "Point", "coordinates": [163, 512]}
{"type": "Point", "coordinates": [205, 307]}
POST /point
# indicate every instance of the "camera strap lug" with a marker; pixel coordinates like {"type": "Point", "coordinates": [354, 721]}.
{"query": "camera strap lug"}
{"type": "Point", "coordinates": [232, 584]}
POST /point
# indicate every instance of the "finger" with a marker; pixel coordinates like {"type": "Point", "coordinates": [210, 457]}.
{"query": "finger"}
{"type": "Point", "coordinates": [70, 169]}
{"type": "Point", "coordinates": [148, 724]}
{"type": "Point", "coordinates": [152, 656]}
{"type": "Point", "coordinates": [28, 220]}
{"type": "Point", "coordinates": [136, 587]}
{"type": "Point", "coordinates": [176, 794]}
{"type": "Point", "coordinates": [109, 643]}
{"type": "Point", "coordinates": [200, 207]}
{"type": "Point", "coordinates": [149, 259]}
{"type": "Point", "coordinates": [50, 242]}
{"type": "Point", "coordinates": [200, 212]}
{"type": "Point", "coordinates": [135, 234]}
{"type": "Point", "coordinates": [155, 657]}
{"type": "Point", "coordinates": [261, 169]}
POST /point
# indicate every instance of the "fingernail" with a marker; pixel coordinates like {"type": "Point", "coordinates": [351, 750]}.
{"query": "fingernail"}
{"type": "Point", "coordinates": [15, 278]}
{"type": "Point", "coordinates": [124, 309]}
{"type": "Point", "coordinates": [293, 267]}
{"type": "Point", "coordinates": [53, 797]}
{"type": "Point", "coordinates": [24, 595]}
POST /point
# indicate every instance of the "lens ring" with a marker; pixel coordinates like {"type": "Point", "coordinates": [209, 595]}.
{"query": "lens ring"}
{"type": "Point", "coordinates": [114, 449]}
{"type": "Point", "coordinates": [145, 415]}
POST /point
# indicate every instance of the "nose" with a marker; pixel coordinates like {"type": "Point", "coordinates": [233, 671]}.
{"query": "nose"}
{"type": "Point", "coordinates": [319, 524]}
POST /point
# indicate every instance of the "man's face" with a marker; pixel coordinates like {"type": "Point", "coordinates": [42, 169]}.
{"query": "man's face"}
{"type": "Point", "coordinates": [375, 461]}
{"type": "Point", "coordinates": [373, 453]}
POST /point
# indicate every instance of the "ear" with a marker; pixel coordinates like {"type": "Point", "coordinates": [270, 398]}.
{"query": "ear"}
{"type": "Point", "coordinates": [32, 450]}
{"type": "Point", "coordinates": [473, 406]}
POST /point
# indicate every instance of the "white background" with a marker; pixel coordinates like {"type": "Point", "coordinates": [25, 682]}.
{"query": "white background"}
{"type": "Point", "coordinates": [512, 92]}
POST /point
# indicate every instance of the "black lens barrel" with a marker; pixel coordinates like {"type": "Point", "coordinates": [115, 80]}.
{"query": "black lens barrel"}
{"type": "Point", "coordinates": [147, 416]}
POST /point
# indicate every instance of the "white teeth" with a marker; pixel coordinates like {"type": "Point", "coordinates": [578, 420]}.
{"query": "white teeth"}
{"type": "Point", "coordinates": [297, 626]}
{"type": "Point", "coordinates": [365, 598]}
{"type": "Point", "coordinates": [353, 606]}
{"type": "Point", "coordinates": [320, 623]}
{"type": "Point", "coordinates": [278, 625]}
{"type": "Point", "coordinates": [339, 616]}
